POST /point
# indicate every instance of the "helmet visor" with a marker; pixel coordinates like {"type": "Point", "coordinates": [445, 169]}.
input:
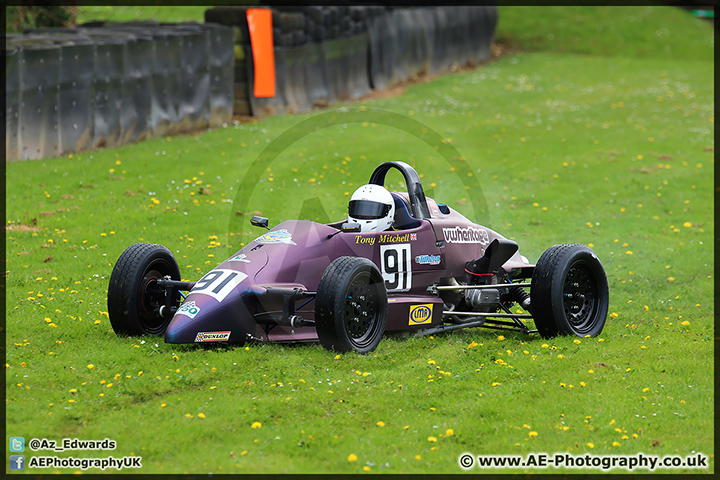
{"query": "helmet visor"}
{"type": "Point", "coordinates": [367, 210]}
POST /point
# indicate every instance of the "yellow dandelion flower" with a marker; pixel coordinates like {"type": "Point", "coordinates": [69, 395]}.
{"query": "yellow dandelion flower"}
{"type": "Point", "coordinates": [533, 434]}
{"type": "Point", "coordinates": [352, 457]}
{"type": "Point", "coordinates": [256, 425]}
{"type": "Point", "coordinates": [380, 423]}
{"type": "Point", "coordinates": [449, 432]}
{"type": "Point", "coordinates": [591, 445]}
{"type": "Point", "coordinates": [201, 415]}
{"type": "Point", "coordinates": [432, 439]}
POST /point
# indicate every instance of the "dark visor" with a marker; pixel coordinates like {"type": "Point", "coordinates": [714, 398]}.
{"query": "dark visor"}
{"type": "Point", "coordinates": [367, 210]}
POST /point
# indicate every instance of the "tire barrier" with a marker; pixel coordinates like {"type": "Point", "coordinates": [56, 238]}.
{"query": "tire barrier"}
{"type": "Point", "coordinates": [316, 75]}
{"type": "Point", "coordinates": [105, 84]}
{"type": "Point", "coordinates": [409, 42]}
{"type": "Point", "coordinates": [337, 53]}
{"type": "Point", "coordinates": [108, 84]}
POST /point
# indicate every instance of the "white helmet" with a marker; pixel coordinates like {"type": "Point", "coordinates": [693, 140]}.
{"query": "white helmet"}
{"type": "Point", "coordinates": [372, 206]}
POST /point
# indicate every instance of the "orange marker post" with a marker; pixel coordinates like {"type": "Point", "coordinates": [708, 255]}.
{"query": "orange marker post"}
{"type": "Point", "coordinates": [261, 40]}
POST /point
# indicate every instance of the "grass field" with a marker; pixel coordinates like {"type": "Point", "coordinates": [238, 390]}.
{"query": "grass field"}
{"type": "Point", "coordinates": [579, 139]}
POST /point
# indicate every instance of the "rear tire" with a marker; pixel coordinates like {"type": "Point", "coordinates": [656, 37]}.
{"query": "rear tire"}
{"type": "Point", "coordinates": [569, 292]}
{"type": "Point", "coordinates": [351, 306]}
{"type": "Point", "coordinates": [133, 294]}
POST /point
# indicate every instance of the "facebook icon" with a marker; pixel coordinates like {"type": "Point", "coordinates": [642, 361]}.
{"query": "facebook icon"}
{"type": "Point", "coordinates": [17, 462]}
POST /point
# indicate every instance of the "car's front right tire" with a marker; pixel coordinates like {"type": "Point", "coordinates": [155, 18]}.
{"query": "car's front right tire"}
{"type": "Point", "coordinates": [134, 296]}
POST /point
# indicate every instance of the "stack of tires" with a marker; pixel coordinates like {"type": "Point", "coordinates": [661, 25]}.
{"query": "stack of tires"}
{"type": "Point", "coordinates": [297, 25]}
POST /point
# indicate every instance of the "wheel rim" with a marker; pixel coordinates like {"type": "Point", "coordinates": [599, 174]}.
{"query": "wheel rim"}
{"type": "Point", "coordinates": [580, 298]}
{"type": "Point", "coordinates": [152, 297]}
{"type": "Point", "coordinates": [361, 310]}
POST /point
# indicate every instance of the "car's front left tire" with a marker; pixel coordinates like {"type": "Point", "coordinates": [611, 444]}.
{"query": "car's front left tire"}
{"type": "Point", "coordinates": [569, 292]}
{"type": "Point", "coordinates": [351, 306]}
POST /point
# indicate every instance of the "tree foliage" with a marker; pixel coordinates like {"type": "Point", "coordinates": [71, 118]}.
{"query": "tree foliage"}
{"type": "Point", "coordinates": [21, 17]}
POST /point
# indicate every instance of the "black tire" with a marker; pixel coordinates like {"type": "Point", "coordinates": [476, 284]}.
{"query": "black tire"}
{"type": "Point", "coordinates": [569, 292]}
{"type": "Point", "coordinates": [133, 296]}
{"type": "Point", "coordinates": [351, 306]}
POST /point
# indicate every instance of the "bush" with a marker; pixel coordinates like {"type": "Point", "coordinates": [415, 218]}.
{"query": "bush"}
{"type": "Point", "coordinates": [21, 17]}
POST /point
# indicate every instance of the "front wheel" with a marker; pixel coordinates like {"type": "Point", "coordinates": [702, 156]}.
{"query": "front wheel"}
{"type": "Point", "coordinates": [569, 292]}
{"type": "Point", "coordinates": [134, 297]}
{"type": "Point", "coordinates": [351, 306]}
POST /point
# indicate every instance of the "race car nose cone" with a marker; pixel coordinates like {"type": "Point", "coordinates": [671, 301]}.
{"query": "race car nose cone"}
{"type": "Point", "coordinates": [181, 330]}
{"type": "Point", "coordinates": [202, 320]}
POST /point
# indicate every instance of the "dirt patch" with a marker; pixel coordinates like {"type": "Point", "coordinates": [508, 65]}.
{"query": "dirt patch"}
{"type": "Point", "coordinates": [21, 228]}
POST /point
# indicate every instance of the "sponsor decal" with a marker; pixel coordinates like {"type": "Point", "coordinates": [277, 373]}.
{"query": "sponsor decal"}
{"type": "Point", "coordinates": [189, 309]}
{"type": "Point", "coordinates": [466, 235]}
{"type": "Point", "coordinates": [212, 336]}
{"type": "Point", "coordinates": [240, 258]}
{"type": "Point", "coordinates": [428, 259]}
{"type": "Point", "coordinates": [360, 240]}
{"type": "Point", "coordinates": [420, 314]}
{"type": "Point", "coordinates": [396, 238]}
{"type": "Point", "coordinates": [277, 236]}
{"type": "Point", "coordinates": [413, 236]}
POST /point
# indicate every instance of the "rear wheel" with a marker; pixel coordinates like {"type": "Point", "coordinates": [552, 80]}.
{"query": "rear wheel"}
{"type": "Point", "coordinates": [134, 297]}
{"type": "Point", "coordinates": [569, 292]}
{"type": "Point", "coordinates": [351, 306]}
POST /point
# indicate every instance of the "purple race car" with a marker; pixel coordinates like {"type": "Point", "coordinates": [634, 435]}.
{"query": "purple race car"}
{"type": "Point", "coordinates": [400, 263]}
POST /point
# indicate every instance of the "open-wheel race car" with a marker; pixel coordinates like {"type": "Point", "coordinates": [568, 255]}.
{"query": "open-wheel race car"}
{"type": "Point", "coordinates": [400, 262]}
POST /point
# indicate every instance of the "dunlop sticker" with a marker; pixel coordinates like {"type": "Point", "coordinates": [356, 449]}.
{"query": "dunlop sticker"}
{"type": "Point", "coordinates": [212, 336]}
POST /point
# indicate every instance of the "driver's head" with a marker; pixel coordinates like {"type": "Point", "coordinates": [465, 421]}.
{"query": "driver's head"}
{"type": "Point", "coordinates": [372, 206]}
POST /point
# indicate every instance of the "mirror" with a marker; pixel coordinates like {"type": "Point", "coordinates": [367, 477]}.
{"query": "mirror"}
{"type": "Point", "coordinates": [259, 222]}
{"type": "Point", "coordinates": [350, 227]}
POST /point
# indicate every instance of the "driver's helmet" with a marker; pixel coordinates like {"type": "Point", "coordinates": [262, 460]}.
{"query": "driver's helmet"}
{"type": "Point", "coordinates": [372, 206]}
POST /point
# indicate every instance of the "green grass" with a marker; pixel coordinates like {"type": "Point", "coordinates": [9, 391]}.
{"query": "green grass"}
{"type": "Point", "coordinates": [616, 151]}
{"type": "Point", "coordinates": [635, 32]}
{"type": "Point", "coordinates": [176, 14]}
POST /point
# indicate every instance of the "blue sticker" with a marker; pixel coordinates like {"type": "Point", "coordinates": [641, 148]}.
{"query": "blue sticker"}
{"type": "Point", "coordinates": [428, 259]}
{"type": "Point", "coordinates": [277, 236]}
